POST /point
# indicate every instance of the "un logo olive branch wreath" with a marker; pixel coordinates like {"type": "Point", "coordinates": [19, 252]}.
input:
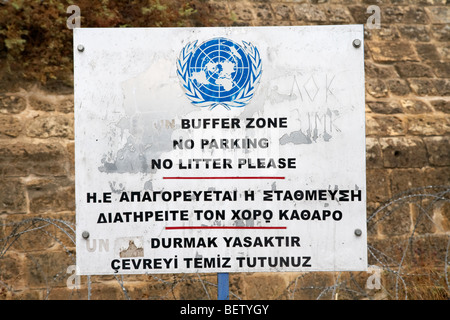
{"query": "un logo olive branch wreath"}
{"type": "Point", "coordinates": [243, 96]}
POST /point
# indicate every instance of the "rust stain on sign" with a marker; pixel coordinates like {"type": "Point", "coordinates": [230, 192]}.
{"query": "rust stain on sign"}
{"type": "Point", "coordinates": [132, 251]}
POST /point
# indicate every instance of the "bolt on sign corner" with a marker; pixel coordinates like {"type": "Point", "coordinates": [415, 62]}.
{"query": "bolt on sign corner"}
{"type": "Point", "coordinates": [220, 149]}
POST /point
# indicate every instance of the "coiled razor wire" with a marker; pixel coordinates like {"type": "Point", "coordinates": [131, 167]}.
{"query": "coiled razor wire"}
{"type": "Point", "coordinates": [395, 274]}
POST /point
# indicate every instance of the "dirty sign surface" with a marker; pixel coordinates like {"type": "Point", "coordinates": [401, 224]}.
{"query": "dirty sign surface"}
{"type": "Point", "coordinates": [220, 150]}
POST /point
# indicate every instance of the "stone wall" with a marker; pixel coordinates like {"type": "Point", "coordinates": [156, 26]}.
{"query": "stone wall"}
{"type": "Point", "coordinates": [407, 70]}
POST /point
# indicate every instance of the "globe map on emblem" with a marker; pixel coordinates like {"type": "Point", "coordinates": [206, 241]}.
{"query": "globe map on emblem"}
{"type": "Point", "coordinates": [219, 69]}
{"type": "Point", "coordinates": [219, 72]}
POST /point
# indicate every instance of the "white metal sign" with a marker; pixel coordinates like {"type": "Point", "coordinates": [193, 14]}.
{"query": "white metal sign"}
{"type": "Point", "coordinates": [220, 149]}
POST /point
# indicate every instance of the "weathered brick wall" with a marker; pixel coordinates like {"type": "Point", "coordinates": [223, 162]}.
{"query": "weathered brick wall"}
{"type": "Point", "coordinates": [407, 70]}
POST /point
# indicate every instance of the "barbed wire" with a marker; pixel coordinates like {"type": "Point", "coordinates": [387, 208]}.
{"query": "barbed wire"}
{"type": "Point", "coordinates": [401, 267]}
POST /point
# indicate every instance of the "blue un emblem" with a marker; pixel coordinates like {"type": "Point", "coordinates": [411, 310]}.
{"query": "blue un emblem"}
{"type": "Point", "coordinates": [219, 72]}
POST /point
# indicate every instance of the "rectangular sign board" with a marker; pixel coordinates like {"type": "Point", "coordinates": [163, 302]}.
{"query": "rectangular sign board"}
{"type": "Point", "coordinates": [220, 149]}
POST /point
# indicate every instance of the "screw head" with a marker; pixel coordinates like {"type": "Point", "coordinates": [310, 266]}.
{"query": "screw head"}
{"type": "Point", "coordinates": [358, 232]}
{"type": "Point", "coordinates": [80, 48]}
{"type": "Point", "coordinates": [85, 234]}
{"type": "Point", "coordinates": [356, 43]}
